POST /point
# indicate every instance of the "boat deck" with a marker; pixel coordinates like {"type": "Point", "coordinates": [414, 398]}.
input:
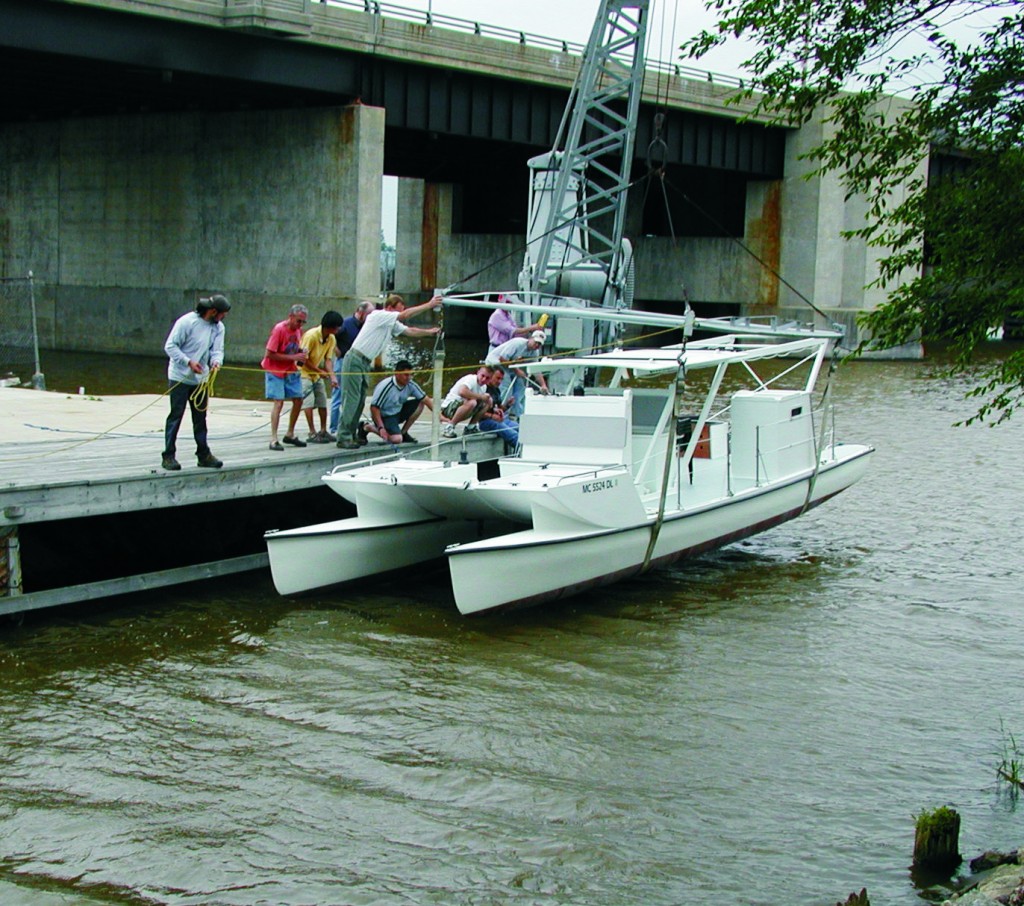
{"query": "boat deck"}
{"type": "Point", "coordinates": [70, 457]}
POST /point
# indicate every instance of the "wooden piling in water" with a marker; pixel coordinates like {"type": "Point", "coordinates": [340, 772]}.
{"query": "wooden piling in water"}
{"type": "Point", "coordinates": [937, 839]}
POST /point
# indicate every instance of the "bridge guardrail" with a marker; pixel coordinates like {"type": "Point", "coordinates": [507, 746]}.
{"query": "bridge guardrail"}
{"type": "Point", "coordinates": [526, 38]}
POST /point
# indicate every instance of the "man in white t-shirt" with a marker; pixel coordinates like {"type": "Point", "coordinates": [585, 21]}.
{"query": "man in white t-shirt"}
{"type": "Point", "coordinates": [378, 329]}
{"type": "Point", "coordinates": [467, 401]}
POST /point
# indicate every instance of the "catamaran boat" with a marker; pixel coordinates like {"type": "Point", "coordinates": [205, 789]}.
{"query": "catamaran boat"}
{"type": "Point", "coordinates": [613, 475]}
{"type": "Point", "coordinates": [608, 481]}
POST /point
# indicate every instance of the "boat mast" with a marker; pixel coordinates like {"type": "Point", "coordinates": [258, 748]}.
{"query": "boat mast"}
{"type": "Point", "coordinates": [579, 188]}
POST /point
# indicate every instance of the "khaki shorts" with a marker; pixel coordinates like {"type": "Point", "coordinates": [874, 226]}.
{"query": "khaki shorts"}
{"type": "Point", "coordinates": [450, 410]}
{"type": "Point", "coordinates": [314, 393]}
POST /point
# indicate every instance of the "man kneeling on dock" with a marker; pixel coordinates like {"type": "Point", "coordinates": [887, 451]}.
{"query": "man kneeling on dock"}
{"type": "Point", "coordinates": [396, 404]}
{"type": "Point", "coordinates": [195, 349]}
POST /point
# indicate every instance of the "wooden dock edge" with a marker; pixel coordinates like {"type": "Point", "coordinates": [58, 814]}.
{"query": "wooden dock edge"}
{"type": "Point", "coordinates": [109, 588]}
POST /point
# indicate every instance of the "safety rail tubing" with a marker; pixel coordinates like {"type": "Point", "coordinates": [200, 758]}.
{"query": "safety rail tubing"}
{"type": "Point", "coordinates": [829, 441]}
{"type": "Point", "coordinates": [396, 455]}
{"type": "Point", "coordinates": [800, 443]}
{"type": "Point", "coordinates": [813, 439]}
{"type": "Point", "coordinates": [362, 463]}
{"type": "Point", "coordinates": [594, 472]}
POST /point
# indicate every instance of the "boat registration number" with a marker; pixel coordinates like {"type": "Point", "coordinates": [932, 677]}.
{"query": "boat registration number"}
{"type": "Point", "coordinates": [592, 487]}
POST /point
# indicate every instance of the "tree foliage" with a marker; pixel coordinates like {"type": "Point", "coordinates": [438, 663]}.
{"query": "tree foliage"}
{"type": "Point", "coordinates": [898, 79]}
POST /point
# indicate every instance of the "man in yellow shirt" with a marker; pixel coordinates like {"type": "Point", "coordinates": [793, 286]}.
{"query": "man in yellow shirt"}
{"type": "Point", "coordinates": [320, 347]}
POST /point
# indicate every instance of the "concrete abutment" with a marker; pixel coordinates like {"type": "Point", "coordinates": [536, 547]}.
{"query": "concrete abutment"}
{"type": "Point", "coordinates": [125, 221]}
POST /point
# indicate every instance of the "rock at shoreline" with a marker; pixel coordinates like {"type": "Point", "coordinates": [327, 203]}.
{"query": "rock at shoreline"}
{"type": "Point", "coordinates": [1001, 881]}
{"type": "Point", "coordinates": [992, 859]}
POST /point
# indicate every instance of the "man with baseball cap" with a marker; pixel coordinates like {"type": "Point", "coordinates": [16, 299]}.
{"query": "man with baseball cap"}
{"type": "Point", "coordinates": [513, 385]}
{"type": "Point", "coordinates": [195, 351]}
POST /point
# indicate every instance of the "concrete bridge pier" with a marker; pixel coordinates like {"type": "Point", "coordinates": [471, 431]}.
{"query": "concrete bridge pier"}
{"type": "Point", "coordinates": [430, 255]}
{"type": "Point", "coordinates": [722, 275]}
{"type": "Point", "coordinates": [125, 220]}
{"type": "Point", "coordinates": [836, 273]}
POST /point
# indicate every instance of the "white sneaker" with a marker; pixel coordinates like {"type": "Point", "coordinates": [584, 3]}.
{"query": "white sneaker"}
{"type": "Point", "coordinates": [448, 430]}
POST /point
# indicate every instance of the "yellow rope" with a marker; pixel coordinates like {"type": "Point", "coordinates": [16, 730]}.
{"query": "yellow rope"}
{"type": "Point", "coordinates": [463, 368]}
{"type": "Point", "coordinates": [89, 440]}
{"type": "Point", "coordinates": [203, 393]}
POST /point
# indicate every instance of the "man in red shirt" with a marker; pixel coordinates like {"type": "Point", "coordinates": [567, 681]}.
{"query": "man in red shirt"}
{"type": "Point", "coordinates": [284, 355]}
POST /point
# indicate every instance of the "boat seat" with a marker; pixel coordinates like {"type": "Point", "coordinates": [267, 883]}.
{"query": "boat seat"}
{"type": "Point", "coordinates": [586, 430]}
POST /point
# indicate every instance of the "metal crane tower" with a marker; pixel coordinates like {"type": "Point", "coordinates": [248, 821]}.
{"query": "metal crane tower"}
{"type": "Point", "coordinates": [578, 189]}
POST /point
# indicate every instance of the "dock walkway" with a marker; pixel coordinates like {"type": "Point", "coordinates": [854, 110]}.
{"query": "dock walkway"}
{"type": "Point", "coordinates": [73, 457]}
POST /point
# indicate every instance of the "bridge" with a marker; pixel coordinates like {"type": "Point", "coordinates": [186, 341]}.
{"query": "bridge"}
{"type": "Point", "coordinates": [156, 149]}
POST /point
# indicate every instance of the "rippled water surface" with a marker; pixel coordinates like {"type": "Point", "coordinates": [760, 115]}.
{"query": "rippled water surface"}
{"type": "Point", "coordinates": [759, 726]}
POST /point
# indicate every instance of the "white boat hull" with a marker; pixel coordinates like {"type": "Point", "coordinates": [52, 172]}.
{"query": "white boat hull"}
{"type": "Point", "coordinates": [537, 565]}
{"type": "Point", "coordinates": [317, 556]}
{"type": "Point", "coordinates": [604, 485]}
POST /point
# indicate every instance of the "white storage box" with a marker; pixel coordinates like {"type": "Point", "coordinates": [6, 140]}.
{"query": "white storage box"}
{"type": "Point", "coordinates": [772, 435]}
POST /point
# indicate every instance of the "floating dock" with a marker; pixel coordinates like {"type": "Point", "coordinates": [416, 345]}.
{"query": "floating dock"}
{"type": "Point", "coordinates": [87, 512]}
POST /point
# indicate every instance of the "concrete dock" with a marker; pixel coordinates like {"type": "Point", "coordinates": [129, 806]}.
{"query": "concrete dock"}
{"type": "Point", "coordinates": [87, 512]}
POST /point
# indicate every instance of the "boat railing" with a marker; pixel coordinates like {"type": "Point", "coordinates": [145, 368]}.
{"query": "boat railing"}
{"type": "Point", "coordinates": [362, 463]}
{"type": "Point", "coordinates": [760, 459]}
{"type": "Point", "coordinates": [583, 473]}
{"type": "Point", "coordinates": [648, 469]}
{"type": "Point", "coordinates": [423, 452]}
{"type": "Point", "coordinates": [821, 415]}
{"type": "Point", "coordinates": [763, 450]}
{"type": "Point", "coordinates": [825, 416]}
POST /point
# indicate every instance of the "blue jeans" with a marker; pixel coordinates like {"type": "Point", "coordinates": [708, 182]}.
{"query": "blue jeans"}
{"type": "Point", "coordinates": [508, 433]}
{"type": "Point", "coordinates": [335, 407]}
{"type": "Point", "coordinates": [518, 386]}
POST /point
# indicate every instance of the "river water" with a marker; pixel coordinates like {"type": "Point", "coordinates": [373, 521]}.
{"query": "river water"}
{"type": "Point", "coordinates": [759, 726]}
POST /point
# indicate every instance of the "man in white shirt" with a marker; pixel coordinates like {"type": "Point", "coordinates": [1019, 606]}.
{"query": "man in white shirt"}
{"type": "Point", "coordinates": [378, 329]}
{"type": "Point", "coordinates": [467, 401]}
{"type": "Point", "coordinates": [513, 385]}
